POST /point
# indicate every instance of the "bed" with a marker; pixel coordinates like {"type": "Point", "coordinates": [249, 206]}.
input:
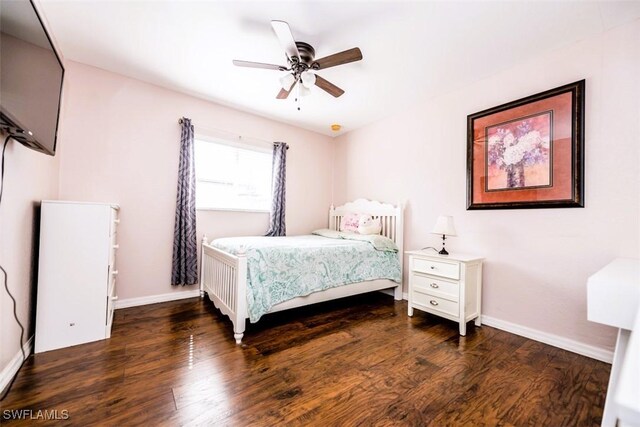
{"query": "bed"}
{"type": "Point", "coordinates": [228, 264]}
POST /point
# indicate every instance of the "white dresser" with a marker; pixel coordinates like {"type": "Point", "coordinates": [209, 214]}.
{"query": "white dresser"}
{"type": "Point", "coordinates": [76, 274]}
{"type": "Point", "coordinates": [447, 286]}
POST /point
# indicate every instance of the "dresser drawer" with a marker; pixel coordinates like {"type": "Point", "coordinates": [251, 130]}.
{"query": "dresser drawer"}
{"type": "Point", "coordinates": [437, 268]}
{"type": "Point", "coordinates": [438, 287]}
{"type": "Point", "coordinates": [111, 297]}
{"type": "Point", "coordinates": [114, 222]}
{"type": "Point", "coordinates": [112, 286]}
{"type": "Point", "coordinates": [112, 256]}
{"type": "Point", "coordinates": [434, 303]}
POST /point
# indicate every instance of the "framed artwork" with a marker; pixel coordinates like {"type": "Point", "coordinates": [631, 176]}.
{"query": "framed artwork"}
{"type": "Point", "coordinates": [528, 153]}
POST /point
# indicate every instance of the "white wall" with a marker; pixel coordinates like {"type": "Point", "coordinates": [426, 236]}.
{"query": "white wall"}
{"type": "Point", "coordinates": [120, 143]}
{"type": "Point", "coordinates": [29, 177]}
{"type": "Point", "coordinates": [537, 261]}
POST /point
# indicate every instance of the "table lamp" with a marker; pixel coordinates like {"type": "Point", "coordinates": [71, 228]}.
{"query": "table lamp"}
{"type": "Point", "coordinates": [444, 226]}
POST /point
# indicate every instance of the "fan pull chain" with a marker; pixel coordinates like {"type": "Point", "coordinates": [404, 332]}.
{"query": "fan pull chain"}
{"type": "Point", "coordinates": [298, 97]}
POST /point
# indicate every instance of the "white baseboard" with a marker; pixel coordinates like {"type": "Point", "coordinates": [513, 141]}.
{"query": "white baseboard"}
{"type": "Point", "coordinates": [544, 337]}
{"type": "Point", "coordinates": [405, 296]}
{"type": "Point", "coordinates": [14, 365]}
{"type": "Point", "coordinates": [154, 299]}
{"type": "Point", "coordinates": [551, 339]}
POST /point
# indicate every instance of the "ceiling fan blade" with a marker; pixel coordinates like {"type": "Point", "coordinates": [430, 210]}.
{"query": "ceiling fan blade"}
{"type": "Point", "coordinates": [284, 94]}
{"type": "Point", "coordinates": [283, 32]}
{"type": "Point", "coordinates": [339, 58]}
{"type": "Point", "coordinates": [259, 65]}
{"type": "Point", "coordinates": [328, 86]}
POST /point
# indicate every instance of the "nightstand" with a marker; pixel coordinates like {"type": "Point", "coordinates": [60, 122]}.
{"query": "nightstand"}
{"type": "Point", "coordinates": [447, 286]}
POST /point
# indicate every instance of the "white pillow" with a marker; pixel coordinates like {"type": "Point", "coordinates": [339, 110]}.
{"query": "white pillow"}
{"type": "Point", "coordinates": [369, 225]}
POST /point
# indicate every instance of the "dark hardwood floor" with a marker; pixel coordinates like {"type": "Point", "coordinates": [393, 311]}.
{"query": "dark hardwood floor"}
{"type": "Point", "coordinates": [356, 361]}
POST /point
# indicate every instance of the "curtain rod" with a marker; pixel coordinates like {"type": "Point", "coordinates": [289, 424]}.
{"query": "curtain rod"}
{"type": "Point", "coordinates": [239, 137]}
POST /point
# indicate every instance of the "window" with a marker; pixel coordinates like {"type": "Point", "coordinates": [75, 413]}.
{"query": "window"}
{"type": "Point", "coordinates": [232, 177]}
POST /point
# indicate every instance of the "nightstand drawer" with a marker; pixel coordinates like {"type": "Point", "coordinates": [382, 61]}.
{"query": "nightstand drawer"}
{"type": "Point", "coordinates": [437, 268]}
{"type": "Point", "coordinates": [433, 286]}
{"type": "Point", "coordinates": [435, 303]}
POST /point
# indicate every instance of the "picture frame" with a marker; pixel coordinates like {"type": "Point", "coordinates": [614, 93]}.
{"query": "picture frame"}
{"type": "Point", "coordinates": [528, 153]}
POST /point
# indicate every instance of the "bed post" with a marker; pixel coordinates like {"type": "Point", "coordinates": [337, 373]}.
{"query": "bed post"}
{"type": "Point", "coordinates": [332, 218]}
{"type": "Point", "coordinates": [397, 292]}
{"type": "Point", "coordinates": [240, 312]}
{"type": "Point", "coordinates": [204, 242]}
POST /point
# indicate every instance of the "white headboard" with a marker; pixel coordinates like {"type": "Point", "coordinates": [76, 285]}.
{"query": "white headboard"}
{"type": "Point", "coordinates": [391, 218]}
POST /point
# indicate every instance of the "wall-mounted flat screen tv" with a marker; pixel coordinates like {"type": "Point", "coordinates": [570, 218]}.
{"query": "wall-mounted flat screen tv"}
{"type": "Point", "coordinates": [31, 76]}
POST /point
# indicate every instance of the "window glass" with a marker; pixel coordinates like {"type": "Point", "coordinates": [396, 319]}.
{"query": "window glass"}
{"type": "Point", "coordinates": [231, 177]}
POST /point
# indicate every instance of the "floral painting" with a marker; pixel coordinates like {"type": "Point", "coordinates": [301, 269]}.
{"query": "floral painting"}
{"type": "Point", "coordinates": [528, 153]}
{"type": "Point", "coordinates": [519, 153]}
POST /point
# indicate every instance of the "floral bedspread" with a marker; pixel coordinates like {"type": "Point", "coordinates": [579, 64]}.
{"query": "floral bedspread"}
{"type": "Point", "coordinates": [283, 268]}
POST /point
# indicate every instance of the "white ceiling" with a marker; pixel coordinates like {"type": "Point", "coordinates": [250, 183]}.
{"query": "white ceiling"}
{"type": "Point", "coordinates": [412, 50]}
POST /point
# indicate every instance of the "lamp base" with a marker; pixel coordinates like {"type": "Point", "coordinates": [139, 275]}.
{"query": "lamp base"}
{"type": "Point", "coordinates": [443, 251]}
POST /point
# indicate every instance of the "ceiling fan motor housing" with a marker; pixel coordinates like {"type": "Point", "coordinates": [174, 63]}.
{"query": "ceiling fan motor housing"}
{"type": "Point", "coordinates": [307, 52]}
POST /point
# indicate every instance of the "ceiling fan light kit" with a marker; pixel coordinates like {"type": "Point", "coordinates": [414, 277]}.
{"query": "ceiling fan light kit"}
{"type": "Point", "coordinates": [301, 62]}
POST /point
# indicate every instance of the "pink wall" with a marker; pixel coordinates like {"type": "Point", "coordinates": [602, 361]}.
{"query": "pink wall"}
{"type": "Point", "coordinates": [120, 143]}
{"type": "Point", "coordinates": [537, 261]}
{"type": "Point", "coordinates": [29, 177]}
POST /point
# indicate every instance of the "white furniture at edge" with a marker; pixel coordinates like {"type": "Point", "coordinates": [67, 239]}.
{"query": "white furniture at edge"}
{"type": "Point", "coordinates": [76, 274]}
{"type": "Point", "coordinates": [223, 276]}
{"type": "Point", "coordinates": [627, 397]}
{"type": "Point", "coordinates": [448, 286]}
{"type": "Point", "coordinates": [613, 297]}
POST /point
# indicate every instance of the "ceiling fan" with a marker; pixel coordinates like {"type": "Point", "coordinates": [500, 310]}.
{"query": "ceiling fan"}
{"type": "Point", "coordinates": [301, 63]}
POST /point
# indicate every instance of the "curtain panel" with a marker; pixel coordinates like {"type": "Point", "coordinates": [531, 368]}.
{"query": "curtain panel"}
{"type": "Point", "coordinates": [185, 247]}
{"type": "Point", "coordinates": [277, 225]}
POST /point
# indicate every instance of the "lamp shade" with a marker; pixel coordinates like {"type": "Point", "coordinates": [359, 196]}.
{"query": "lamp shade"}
{"type": "Point", "coordinates": [304, 91]}
{"type": "Point", "coordinates": [445, 226]}
{"type": "Point", "coordinates": [308, 79]}
{"type": "Point", "coordinates": [286, 81]}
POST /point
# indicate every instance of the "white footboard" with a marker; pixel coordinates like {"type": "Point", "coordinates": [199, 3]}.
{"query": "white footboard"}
{"type": "Point", "coordinates": [224, 278]}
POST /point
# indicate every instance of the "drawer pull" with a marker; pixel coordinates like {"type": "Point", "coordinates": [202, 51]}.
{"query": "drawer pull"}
{"type": "Point", "coordinates": [433, 267]}
{"type": "Point", "coordinates": [114, 272]}
{"type": "Point", "coordinates": [434, 285]}
{"type": "Point", "coordinates": [117, 221]}
{"type": "Point", "coordinates": [433, 302]}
